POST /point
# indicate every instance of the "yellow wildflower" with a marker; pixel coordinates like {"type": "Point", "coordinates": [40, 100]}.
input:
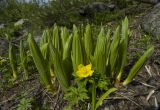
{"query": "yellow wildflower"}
{"type": "Point", "coordinates": [84, 71]}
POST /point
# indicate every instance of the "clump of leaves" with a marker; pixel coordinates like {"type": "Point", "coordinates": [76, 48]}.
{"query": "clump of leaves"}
{"type": "Point", "coordinates": [25, 104]}
{"type": "Point", "coordinates": [76, 94]}
{"type": "Point", "coordinates": [93, 64]}
{"type": "Point", "coordinates": [5, 74]}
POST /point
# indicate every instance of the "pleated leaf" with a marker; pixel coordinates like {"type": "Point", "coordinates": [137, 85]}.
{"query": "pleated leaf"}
{"type": "Point", "coordinates": [64, 36]}
{"type": "Point", "coordinates": [67, 48]}
{"type": "Point", "coordinates": [114, 51]}
{"type": "Point", "coordinates": [100, 54]}
{"type": "Point", "coordinates": [88, 41]}
{"type": "Point", "coordinates": [56, 38]}
{"type": "Point", "coordinates": [59, 68]}
{"type": "Point", "coordinates": [45, 50]}
{"type": "Point", "coordinates": [77, 51]}
{"type": "Point", "coordinates": [123, 48]}
{"type": "Point", "coordinates": [45, 37]}
{"type": "Point", "coordinates": [40, 62]}
{"type": "Point", "coordinates": [108, 43]}
{"type": "Point", "coordinates": [23, 58]}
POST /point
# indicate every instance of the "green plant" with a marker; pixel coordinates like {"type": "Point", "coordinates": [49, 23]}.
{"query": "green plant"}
{"type": "Point", "coordinates": [139, 64]}
{"type": "Point", "coordinates": [75, 95]}
{"type": "Point", "coordinates": [13, 63]}
{"type": "Point", "coordinates": [25, 104]}
{"type": "Point", "coordinates": [48, 58]}
{"type": "Point", "coordinates": [77, 51]}
{"type": "Point", "coordinates": [108, 60]}
{"type": "Point", "coordinates": [23, 58]}
{"type": "Point", "coordinates": [96, 65]}
{"type": "Point", "coordinates": [40, 63]}
{"type": "Point", "coordinates": [59, 69]}
{"type": "Point", "coordinates": [6, 81]}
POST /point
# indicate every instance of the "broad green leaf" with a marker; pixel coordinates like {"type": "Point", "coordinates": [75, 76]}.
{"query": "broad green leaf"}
{"type": "Point", "coordinates": [23, 58]}
{"type": "Point", "coordinates": [59, 70]}
{"type": "Point", "coordinates": [45, 50]}
{"type": "Point", "coordinates": [88, 41]}
{"type": "Point", "coordinates": [77, 51]}
{"type": "Point", "coordinates": [108, 43]}
{"type": "Point", "coordinates": [123, 48]}
{"type": "Point", "coordinates": [64, 36]}
{"type": "Point", "coordinates": [100, 54]}
{"type": "Point", "coordinates": [67, 56]}
{"type": "Point", "coordinates": [45, 37]}
{"type": "Point", "coordinates": [67, 48]}
{"type": "Point", "coordinates": [40, 63]}
{"type": "Point", "coordinates": [139, 64]}
{"type": "Point", "coordinates": [56, 42]}
{"type": "Point", "coordinates": [114, 51]}
{"type": "Point", "coordinates": [12, 59]}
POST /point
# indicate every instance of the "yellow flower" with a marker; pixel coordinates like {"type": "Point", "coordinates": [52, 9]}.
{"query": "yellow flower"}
{"type": "Point", "coordinates": [84, 71]}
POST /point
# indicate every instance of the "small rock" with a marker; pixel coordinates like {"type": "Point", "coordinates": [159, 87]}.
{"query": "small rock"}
{"type": "Point", "coordinates": [37, 38]}
{"type": "Point", "coordinates": [151, 22]}
{"type": "Point", "coordinates": [20, 22]}
{"type": "Point", "coordinates": [2, 26]}
{"type": "Point", "coordinates": [21, 27]}
{"type": "Point", "coordinates": [150, 1]}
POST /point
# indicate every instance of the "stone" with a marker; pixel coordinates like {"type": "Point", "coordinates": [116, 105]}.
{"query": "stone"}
{"type": "Point", "coordinates": [21, 27]}
{"type": "Point", "coordinates": [2, 26]}
{"type": "Point", "coordinates": [149, 1]}
{"type": "Point", "coordinates": [95, 7]}
{"type": "Point", "coordinates": [21, 22]}
{"type": "Point", "coordinates": [151, 22]}
{"type": "Point", "coordinates": [37, 38]}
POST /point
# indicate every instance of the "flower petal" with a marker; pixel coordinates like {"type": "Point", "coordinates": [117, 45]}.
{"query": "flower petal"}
{"type": "Point", "coordinates": [90, 73]}
{"type": "Point", "coordinates": [80, 66]}
{"type": "Point", "coordinates": [88, 67]}
{"type": "Point", "coordinates": [84, 71]}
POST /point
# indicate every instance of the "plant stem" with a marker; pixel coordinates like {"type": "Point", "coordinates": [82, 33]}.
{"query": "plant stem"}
{"type": "Point", "coordinates": [93, 95]}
